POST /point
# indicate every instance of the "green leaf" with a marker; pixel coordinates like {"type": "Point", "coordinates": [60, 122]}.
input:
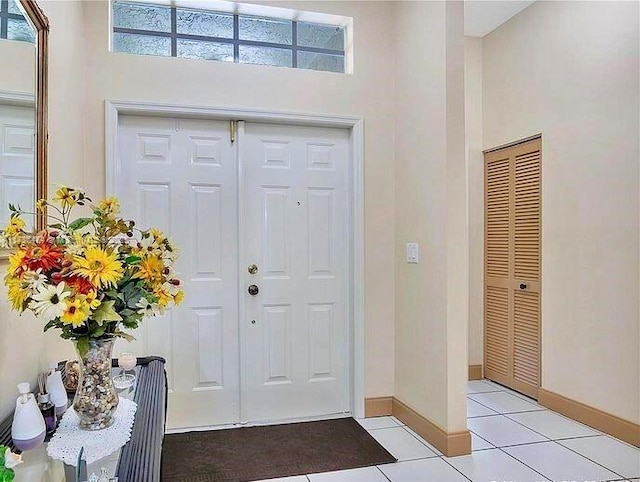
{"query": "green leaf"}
{"type": "Point", "coordinates": [98, 331]}
{"type": "Point", "coordinates": [56, 226]}
{"type": "Point", "coordinates": [133, 259]}
{"type": "Point", "coordinates": [124, 335]}
{"type": "Point", "coordinates": [51, 324]}
{"type": "Point", "coordinates": [80, 223]}
{"type": "Point", "coordinates": [83, 345]}
{"type": "Point", "coordinates": [105, 312]}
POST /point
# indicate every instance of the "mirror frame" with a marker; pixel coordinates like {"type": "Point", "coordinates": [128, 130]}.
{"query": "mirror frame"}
{"type": "Point", "coordinates": [41, 24]}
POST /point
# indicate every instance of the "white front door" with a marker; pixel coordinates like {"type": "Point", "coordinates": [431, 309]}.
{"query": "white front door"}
{"type": "Point", "coordinates": [276, 198]}
{"type": "Point", "coordinates": [295, 214]}
{"type": "Point", "coordinates": [179, 175]}
{"type": "Point", "coordinates": [17, 160]}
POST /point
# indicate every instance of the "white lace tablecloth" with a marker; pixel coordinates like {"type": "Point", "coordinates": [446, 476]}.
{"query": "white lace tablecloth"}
{"type": "Point", "coordinates": [70, 438]}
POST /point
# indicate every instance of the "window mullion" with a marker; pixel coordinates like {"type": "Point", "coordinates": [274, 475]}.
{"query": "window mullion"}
{"type": "Point", "coordinates": [236, 38]}
{"type": "Point", "coordinates": [174, 32]}
{"type": "Point", "coordinates": [294, 44]}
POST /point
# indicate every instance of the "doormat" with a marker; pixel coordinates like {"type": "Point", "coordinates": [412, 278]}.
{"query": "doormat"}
{"type": "Point", "coordinates": [256, 453]}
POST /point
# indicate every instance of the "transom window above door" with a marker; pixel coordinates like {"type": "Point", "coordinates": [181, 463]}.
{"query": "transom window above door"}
{"type": "Point", "coordinates": [267, 39]}
{"type": "Point", "coordinates": [13, 24]}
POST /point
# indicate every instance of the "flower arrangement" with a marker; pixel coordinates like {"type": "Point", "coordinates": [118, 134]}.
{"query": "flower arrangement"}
{"type": "Point", "coordinates": [91, 277]}
{"type": "Point", "coordinates": [8, 460]}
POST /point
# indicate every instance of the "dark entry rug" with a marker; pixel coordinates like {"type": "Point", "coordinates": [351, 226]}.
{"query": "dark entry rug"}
{"type": "Point", "coordinates": [255, 453]}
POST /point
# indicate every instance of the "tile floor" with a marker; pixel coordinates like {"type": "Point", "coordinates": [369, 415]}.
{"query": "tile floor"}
{"type": "Point", "coordinates": [513, 439]}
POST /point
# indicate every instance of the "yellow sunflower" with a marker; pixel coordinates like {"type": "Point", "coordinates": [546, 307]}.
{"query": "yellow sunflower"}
{"type": "Point", "coordinates": [150, 269]}
{"type": "Point", "coordinates": [98, 266]}
{"type": "Point", "coordinates": [178, 297]}
{"type": "Point", "coordinates": [65, 196]}
{"type": "Point", "coordinates": [17, 293]}
{"type": "Point", "coordinates": [91, 299]}
{"type": "Point", "coordinates": [15, 260]}
{"type": "Point", "coordinates": [15, 226]}
{"type": "Point", "coordinates": [109, 205]}
{"type": "Point", "coordinates": [76, 312]}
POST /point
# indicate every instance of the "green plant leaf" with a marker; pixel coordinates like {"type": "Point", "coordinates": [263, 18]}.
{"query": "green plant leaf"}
{"type": "Point", "coordinates": [83, 345]}
{"type": "Point", "coordinates": [105, 312]}
{"type": "Point", "coordinates": [133, 260]}
{"type": "Point", "coordinates": [80, 223]}
{"type": "Point", "coordinates": [124, 335]}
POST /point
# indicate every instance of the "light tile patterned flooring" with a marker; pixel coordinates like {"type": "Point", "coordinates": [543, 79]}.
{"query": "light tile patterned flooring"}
{"type": "Point", "coordinates": [513, 439]}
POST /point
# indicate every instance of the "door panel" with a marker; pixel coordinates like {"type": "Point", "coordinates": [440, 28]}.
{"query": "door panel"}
{"type": "Point", "coordinates": [295, 229]}
{"type": "Point", "coordinates": [17, 160]}
{"type": "Point", "coordinates": [512, 266]}
{"type": "Point", "coordinates": [179, 175]}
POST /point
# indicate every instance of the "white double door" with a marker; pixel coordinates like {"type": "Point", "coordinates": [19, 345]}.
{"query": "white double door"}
{"type": "Point", "coordinates": [276, 198]}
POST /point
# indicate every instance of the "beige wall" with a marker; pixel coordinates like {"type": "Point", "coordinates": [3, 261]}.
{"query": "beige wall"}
{"type": "Point", "coordinates": [475, 160]}
{"type": "Point", "coordinates": [24, 349]}
{"type": "Point", "coordinates": [428, 123]}
{"type": "Point", "coordinates": [366, 93]}
{"type": "Point", "coordinates": [18, 66]}
{"type": "Point", "coordinates": [570, 70]}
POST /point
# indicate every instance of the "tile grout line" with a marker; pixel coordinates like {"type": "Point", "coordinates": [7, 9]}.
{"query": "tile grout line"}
{"type": "Point", "coordinates": [597, 463]}
{"type": "Point", "coordinates": [521, 462]}
{"type": "Point", "coordinates": [383, 474]}
{"type": "Point", "coordinates": [419, 439]}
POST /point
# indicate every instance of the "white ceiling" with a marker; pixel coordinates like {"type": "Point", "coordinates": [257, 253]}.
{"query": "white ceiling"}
{"type": "Point", "coordinates": [483, 16]}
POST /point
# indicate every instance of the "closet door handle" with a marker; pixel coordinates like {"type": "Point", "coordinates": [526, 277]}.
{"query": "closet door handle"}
{"type": "Point", "coordinates": [523, 286]}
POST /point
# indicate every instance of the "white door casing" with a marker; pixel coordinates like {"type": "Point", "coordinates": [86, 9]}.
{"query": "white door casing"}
{"type": "Point", "coordinates": [186, 335]}
{"type": "Point", "coordinates": [179, 175]}
{"type": "Point", "coordinates": [17, 160]}
{"type": "Point", "coordinates": [294, 228]}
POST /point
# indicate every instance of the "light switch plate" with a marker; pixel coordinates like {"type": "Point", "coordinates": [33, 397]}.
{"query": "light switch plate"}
{"type": "Point", "coordinates": [412, 253]}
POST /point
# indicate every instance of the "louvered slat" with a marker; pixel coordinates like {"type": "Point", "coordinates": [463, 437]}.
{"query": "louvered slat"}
{"type": "Point", "coordinates": [497, 218]}
{"type": "Point", "coordinates": [527, 216]}
{"type": "Point", "coordinates": [526, 337]}
{"type": "Point", "coordinates": [497, 329]}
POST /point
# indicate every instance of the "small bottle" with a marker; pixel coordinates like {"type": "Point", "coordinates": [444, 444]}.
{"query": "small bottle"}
{"type": "Point", "coordinates": [28, 429]}
{"type": "Point", "coordinates": [56, 390]}
{"type": "Point", "coordinates": [48, 411]}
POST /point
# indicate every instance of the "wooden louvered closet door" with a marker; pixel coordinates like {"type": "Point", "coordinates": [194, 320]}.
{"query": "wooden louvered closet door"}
{"type": "Point", "coordinates": [512, 266]}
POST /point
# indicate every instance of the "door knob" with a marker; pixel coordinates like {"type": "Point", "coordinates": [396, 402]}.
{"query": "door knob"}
{"type": "Point", "coordinates": [252, 269]}
{"type": "Point", "coordinates": [523, 286]}
{"type": "Point", "coordinates": [253, 290]}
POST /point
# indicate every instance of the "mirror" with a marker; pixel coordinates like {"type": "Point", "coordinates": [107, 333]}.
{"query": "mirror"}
{"type": "Point", "coordinates": [23, 108]}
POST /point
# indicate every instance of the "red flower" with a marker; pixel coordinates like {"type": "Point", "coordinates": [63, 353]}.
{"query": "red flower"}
{"type": "Point", "coordinates": [80, 284]}
{"type": "Point", "coordinates": [44, 256]}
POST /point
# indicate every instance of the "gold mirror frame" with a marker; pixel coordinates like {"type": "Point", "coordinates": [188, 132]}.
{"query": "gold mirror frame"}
{"type": "Point", "coordinates": [41, 24]}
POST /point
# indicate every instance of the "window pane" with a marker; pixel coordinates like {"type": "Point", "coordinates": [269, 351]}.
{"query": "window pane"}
{"type": "Point", "coordinates": [20, 30]}
{"type": "Point", "coordinates": [314, 61]}
{"type": "Point", "coordinates": [141, 44]}
{"type": "Point", "coordinates": [210, 24]}
{"type": "Point", "coordinates": [265, 56]}
{"type": "Point", "coordinates": [265, 30]}
{"type": "Point", "coordinates": [142, 17]}
{"type": "Point", "coordinates": [13, 7]}
{"type": "Point", "coordinates": [195, 49]}
{"type": "Point", "coordinates": [320, 36]}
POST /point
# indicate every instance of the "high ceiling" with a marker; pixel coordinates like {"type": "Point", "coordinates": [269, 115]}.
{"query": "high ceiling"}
{"type": "Point", "coordinates": [483, 16]}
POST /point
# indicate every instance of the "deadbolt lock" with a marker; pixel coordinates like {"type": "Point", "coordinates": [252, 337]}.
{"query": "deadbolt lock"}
{"type": "Point", "coordinates": [253, 269]}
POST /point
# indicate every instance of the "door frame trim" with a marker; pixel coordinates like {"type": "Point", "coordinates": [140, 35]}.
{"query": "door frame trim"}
{"type": "Point", "coordinates": [355, 124]}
